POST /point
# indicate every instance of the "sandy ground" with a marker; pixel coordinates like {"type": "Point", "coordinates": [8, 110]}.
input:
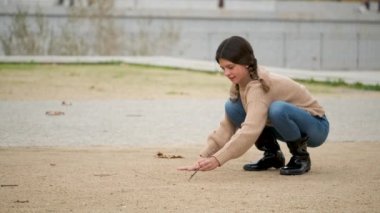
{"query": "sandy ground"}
{"type": "Point", "coordinates": [345, 176]}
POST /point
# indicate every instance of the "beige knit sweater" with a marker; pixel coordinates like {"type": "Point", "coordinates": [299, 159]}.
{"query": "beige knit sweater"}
{"type": "Point", "coordinates": [227, 142]}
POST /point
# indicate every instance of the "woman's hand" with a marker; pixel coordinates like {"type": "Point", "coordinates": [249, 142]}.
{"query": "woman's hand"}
{"type": "Point", "coordinates": [203, 164]}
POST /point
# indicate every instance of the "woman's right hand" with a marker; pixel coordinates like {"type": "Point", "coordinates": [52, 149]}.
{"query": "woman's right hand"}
{"type": "Point", "coordinates": [202, 164]}
{"type": "Point", "coordinates": [194, 167]}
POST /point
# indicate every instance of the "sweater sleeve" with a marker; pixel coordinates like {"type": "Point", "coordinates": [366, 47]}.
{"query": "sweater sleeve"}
{"type": "Point", "coordinates": [218, 137]}
{"type": "Point", "coordinates": [246, 136]}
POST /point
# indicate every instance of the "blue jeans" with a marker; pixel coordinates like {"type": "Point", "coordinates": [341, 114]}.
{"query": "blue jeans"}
{"type": "Point", "coordinates": [289, 122]}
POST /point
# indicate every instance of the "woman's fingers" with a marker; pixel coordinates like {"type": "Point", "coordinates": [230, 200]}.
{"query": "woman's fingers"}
{"type": "Point", "coordinates": [184, 168]}
{"type": "Point", "coordinates": [188, 168]}
{"type": "Point", "coordinates": [203, 164]}
{"type": "Point", "coordinates": [207, 164]}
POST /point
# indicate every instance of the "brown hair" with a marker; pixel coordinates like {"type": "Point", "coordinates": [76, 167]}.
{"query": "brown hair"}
{"type": "Point", "coordinates": [239, 51]}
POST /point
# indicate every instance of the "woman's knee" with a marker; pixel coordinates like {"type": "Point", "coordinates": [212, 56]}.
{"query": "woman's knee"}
{"type": "Point", "coordinates": [229, 107]}
{"type": "Point", "coordinates": [277, 110]}
{"type": "Point", "coordinates": [233, 108]}
{"type": "Point", "coordinates": [235, 112]}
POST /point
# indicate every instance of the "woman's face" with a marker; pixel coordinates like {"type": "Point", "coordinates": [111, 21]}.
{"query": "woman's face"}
{"type": "Point", "coordinates": [238, 74]}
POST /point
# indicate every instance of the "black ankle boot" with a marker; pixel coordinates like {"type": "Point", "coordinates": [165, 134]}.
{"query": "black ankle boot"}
{"type": "Point", "coordinates": [270, 159]}
{"type": "Point", "coordinates": [300, 162]}
{"type": "Point", "coordinates": [273, 156]}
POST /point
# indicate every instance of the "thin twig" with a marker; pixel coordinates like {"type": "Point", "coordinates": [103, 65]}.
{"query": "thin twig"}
{"type": "Point", "coordinates": [9, 185]}
{"type": "Point", "coordinates": [193, 174]}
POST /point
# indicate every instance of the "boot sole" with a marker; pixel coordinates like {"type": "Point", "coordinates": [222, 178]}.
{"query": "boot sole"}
{"type": "Point", "coordinates": [263, 169]}
{"type": "Point", "coordinates": [289, 172]}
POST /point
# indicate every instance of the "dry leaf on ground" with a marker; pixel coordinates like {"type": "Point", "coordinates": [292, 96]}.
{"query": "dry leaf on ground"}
{"type": "Point", "coordinates": [162, 155]}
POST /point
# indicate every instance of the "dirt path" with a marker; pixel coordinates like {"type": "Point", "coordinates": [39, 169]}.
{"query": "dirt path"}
{"type": "Point", "coordinates": [344, 178]}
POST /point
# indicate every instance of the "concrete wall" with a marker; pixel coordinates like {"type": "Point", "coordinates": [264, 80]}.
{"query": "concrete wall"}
{"type": "Point", "coordinates": [333, 36]}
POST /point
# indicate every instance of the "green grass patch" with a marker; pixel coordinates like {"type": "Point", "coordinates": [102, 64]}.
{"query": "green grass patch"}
{"type": "Point", "coordinates": [341, 83]}
{"type": "Point", "coordinates": [121, 78]}
{"type": "Point", "coordinates": [16, 66]}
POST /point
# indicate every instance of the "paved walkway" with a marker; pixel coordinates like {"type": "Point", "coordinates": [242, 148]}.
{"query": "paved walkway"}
{"type": "Point", "coordinates": [157, 122]}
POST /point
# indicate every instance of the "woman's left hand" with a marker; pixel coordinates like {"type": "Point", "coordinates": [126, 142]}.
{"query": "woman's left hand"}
{"type": "Point", "coordinates": [203, 164]}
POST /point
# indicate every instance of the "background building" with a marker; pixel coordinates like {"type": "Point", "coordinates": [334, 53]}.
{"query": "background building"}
{"type": "Point", "coordinates": [318, 35]}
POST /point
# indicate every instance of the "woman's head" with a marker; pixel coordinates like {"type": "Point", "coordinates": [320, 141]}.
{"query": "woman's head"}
{"type": "Point", "coordinates": [236, 58]}
{"type": "Point", "coordinates": [237, 50]}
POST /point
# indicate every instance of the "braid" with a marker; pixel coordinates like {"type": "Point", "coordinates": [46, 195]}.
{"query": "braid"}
{"type": "Point", "coordinates": [264, 85]}
{"type": "Point", "coordinates": [238, 90]}
{"type": "Point", "coordinates": [253, 73]}
{"type": "Point", "coordinates": [252, 69]}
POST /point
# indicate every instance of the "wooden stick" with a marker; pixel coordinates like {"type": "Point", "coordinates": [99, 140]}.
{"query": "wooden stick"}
{"type": "Point", "coordinates": [9, 185]}
{"type": "Point", "coordinates": [193, 174]}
